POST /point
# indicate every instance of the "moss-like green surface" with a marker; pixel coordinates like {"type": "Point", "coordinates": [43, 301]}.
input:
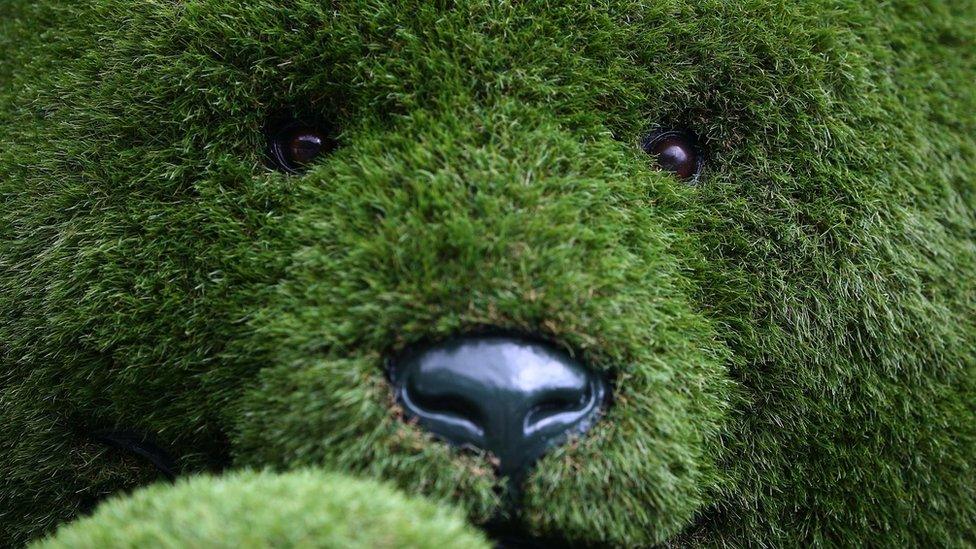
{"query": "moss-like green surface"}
{"type": "Point", "coordinates": [793, 340]}
{"type": "Point", "coordinates": [299, 509]}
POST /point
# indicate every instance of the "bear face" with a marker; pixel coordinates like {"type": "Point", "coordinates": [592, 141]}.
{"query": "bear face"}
{"type": "Point", "coordinates": [788, 335]}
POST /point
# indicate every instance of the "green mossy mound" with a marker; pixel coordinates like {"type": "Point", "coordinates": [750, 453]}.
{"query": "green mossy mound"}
{"type": "Point", "coordinates": [302, 509]}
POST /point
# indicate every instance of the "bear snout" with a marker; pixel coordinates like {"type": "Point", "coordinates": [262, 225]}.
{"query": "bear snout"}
{"type": "Point", "coordinates": [512, 396]}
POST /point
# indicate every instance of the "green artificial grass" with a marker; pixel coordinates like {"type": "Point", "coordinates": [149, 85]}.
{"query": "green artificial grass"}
{"type": "Point", "coordinates": [792, 340]}
{"type": "Point", "coordinates": [245, 509]}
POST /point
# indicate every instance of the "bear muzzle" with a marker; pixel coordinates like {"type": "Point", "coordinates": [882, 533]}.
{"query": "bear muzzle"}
{"type": "Point", "coordinates": [511, 396]}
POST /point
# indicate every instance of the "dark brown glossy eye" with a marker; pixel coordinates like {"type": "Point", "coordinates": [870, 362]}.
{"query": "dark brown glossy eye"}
{"type": "Point", "coordinates": [294, 145]}
{"type": "Point", "coordinates": [676, 152]}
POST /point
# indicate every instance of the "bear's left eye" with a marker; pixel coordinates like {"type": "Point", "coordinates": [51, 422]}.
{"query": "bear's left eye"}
{"type": "Point", "coordinates": [294, 145]}
{"type": "Point", "coordinates": [676, 152]}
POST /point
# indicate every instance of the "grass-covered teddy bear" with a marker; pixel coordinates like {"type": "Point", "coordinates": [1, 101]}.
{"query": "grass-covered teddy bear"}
{"type": "Point", "coordinates": [432, 273]}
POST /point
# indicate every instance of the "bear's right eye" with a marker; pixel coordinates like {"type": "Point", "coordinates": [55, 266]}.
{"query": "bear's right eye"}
{"type": "Point", "coordinates": [294, 145]}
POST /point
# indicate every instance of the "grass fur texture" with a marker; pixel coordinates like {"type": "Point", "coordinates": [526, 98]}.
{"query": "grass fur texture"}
{"type": "Point", "coordinates": [246, 509]}
{"type": "Point", "coordinates": [792, 340]}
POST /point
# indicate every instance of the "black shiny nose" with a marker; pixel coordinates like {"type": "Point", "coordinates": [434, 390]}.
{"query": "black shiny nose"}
{"type": "Point", "coordinates": [514, 397]}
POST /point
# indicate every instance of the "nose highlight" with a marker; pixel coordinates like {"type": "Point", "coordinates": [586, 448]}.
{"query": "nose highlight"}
{"type": "Point", "coordinates": [512, 396]}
